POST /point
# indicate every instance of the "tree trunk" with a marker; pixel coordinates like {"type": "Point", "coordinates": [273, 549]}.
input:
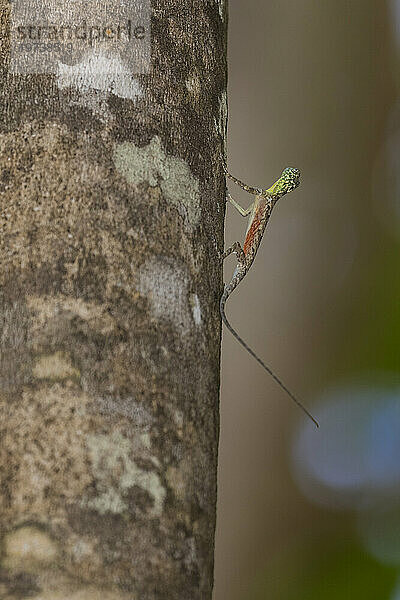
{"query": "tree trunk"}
{"type": "Point", "coordinates": [111, 213]}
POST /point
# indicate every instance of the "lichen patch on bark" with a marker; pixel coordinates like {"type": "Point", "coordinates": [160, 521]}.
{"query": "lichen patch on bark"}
{"type": "Point", "coordinates": [54, 366]}
{"type": "Point", "coordinates": [152, 165]}
{"type": "Point", "coordinates": [165, 284]}
{"type": "Point", "coordinates": [100, 72]}
{"type": "Point", "coordinates": [45, 428]}
{"type": "Point", "coordinates": [196, 308]}
{"type": "Point", "coordinates": [46, 307]}
{"type": "Point", "coordinates": [28, 548]}
{"type": "Point", "coordinates": [116, 472]}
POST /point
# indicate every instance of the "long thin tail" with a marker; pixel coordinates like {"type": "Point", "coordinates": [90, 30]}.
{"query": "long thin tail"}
{"type": "Point", "coordinates": [264, 366]}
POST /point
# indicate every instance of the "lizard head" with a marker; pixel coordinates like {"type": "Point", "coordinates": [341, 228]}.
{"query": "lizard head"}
{"type": "Point", "coordinates": [288, 181]}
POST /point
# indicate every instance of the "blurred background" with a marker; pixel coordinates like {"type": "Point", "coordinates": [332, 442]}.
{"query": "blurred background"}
{"type": "Point", "coordinates": [305, 513]}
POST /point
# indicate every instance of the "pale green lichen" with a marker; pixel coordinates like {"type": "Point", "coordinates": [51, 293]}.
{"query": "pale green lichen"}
{"type": "Point", "coordinates": [152, 165]}
{"type": "Point", "coordinates": [116, 472]}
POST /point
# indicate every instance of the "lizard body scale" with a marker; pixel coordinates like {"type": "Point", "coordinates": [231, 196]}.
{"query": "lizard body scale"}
{"type": "Point", "coordinates": [260, 211]}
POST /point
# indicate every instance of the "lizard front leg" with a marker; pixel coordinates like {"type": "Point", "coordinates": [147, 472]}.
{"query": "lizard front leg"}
{"type": "Point", "coordinates": [246, 188]}
{"type": "Point", "coordinates": [243, 211]}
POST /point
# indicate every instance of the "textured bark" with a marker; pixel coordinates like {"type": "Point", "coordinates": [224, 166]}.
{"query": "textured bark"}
{"type": "Point", "coordinates": [111, 212]}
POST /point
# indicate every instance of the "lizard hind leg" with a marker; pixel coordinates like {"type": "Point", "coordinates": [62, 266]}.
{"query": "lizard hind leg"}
{"type": "Point", "coordinates": [238, 250]}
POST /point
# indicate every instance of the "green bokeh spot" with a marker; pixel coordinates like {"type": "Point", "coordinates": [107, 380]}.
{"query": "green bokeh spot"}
{"type": "Point", "coordinates": [331, 571]}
